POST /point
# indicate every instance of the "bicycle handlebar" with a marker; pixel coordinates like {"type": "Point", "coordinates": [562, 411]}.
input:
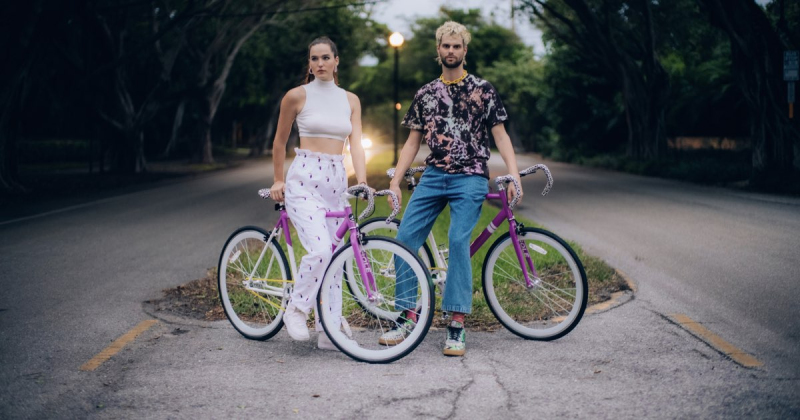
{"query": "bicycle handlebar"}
{"type": "Point", "coordinates": [409, 175]}
{"type": "Point", "coordinates": [395, 203]}
{"type": "Point", "coordinates": [500, 180]}
{"type": "Point", "coordinates": [354, 191]}
{"type": "Point", "coordinates": [410, 172]}
{"type": "Point", "coordinates": [362, 188]}
{"type": "Point", "coordinates": [547, 173]}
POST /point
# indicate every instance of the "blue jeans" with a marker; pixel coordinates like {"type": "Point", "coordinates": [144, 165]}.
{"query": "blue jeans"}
{"type": "Point", "coordinates": [465, 195]}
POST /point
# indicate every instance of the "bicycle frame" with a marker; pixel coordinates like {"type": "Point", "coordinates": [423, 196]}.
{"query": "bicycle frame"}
{"type": "Point", "coordinates": [505, 213]}
{"type": "Point", "coordinates": [349, 224]}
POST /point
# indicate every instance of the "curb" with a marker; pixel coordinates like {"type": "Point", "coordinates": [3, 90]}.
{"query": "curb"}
{"type": "Point", "coordinates": [152, 309]}
{"type": "Point", "coordinates": [617, 298]}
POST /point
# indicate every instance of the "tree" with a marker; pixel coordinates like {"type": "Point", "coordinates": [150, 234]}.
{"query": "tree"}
{"type": "Point", "coordinates": [491, 44]}
{"type": "Point", "coordinates": [135, 101]}
{"type": "Point", "coordinates": [143, 42]}
{"type": "Point", "coordinates": [215, 48]}
{"type": "Point", "coordinates": [17, 75]}
{"type": "Point", "coordinates": [620, 36]}
{"type": "Point", "coordinates": [275, 60]}
{"type": "Point", "coordinates": [757, 58]}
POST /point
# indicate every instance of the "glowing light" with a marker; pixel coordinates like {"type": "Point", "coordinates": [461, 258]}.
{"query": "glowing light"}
{"type": "Point", "coordinates": [396, 39]}
{"type": "Point", "coordinates": [366, 143]}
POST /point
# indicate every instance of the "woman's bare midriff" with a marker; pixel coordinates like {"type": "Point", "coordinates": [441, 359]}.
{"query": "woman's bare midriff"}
{"type": "Point", "coordinates": [322, 145]}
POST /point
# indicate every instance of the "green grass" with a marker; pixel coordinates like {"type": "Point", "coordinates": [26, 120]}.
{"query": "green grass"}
{"type": "Point", "coordinates": [603, 280]}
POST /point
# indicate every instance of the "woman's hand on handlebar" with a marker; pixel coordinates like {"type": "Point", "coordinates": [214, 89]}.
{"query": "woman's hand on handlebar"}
{"type": "Point", "coordinates": [364, 196]}
{"type": "Point", "coordinates": [277, 190]}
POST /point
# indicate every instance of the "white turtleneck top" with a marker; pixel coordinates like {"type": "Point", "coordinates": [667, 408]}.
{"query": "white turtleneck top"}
{"type": "Point", "coordinates": [326, 112]}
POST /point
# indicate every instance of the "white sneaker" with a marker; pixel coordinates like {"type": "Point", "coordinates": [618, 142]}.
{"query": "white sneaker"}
{"type": "Point", "coordinates": [295, 321]}
{"type": "Point", "coordinates": [325, 343]}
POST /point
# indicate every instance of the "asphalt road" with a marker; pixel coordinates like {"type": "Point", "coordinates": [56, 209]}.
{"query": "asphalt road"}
{"type": "Point", "coordinates": [725, 258]}
{"type": "Point", "coordinates": [73, 281]}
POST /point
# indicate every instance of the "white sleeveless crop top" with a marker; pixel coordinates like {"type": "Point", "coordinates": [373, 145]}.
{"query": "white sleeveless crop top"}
{"type": "Point", "coordinates": [326, 112]}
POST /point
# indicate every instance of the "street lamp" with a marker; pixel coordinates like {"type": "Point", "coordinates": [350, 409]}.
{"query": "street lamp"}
{"type": "Point", "coordinates": [396, 40]}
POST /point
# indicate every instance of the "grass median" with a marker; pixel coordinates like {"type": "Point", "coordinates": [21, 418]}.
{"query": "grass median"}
{"type": "Point", "coordinates": [198, 298]}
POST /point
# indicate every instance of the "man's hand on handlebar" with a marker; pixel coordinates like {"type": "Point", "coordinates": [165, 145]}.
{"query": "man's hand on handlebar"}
{"type": "Point", "coordinates": [395, 189]}
{"type": "Point", "coordinates": [512, 190]}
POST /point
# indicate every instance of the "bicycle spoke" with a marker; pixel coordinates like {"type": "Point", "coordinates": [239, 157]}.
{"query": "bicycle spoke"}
{"type": "Point", "coordinates": [372, 316]}
{"type": "Point", "coordinates": [247, 266]}
{"type": "Point", "coordinates": [556, 298]}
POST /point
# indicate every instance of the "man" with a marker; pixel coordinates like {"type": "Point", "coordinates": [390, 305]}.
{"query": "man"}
{"type": "Point", "coordinates": [454, 115]}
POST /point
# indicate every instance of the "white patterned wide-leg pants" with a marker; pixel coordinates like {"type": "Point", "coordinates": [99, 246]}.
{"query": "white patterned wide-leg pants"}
{"type": "Point", "coordinates": [314, 185]}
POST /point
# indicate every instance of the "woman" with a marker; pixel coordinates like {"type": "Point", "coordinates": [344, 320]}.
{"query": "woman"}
{"type": "Point", "coordinates": [326, 116]}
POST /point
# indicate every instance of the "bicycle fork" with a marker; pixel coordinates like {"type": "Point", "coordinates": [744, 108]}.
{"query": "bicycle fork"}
{"type": "Point", "coordinates": [532, 279]}
{"type": "Point", "coordinates": [524, 258]}
{"type": "Point", "coordinates": [360, 255]}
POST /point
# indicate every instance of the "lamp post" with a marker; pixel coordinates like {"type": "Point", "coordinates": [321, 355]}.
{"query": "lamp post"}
{"type": "Point", "coordinates": [396, 40]}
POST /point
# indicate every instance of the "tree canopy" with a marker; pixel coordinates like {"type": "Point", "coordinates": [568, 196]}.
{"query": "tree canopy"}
{"type": "Point", "coordinates": [139, 81]}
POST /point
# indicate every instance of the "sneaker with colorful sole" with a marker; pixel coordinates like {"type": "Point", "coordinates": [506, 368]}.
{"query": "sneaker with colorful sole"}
{"type": "Point", "coordinates": [401, 329]}
{"type": "Point", "coordinates": [456, 343]}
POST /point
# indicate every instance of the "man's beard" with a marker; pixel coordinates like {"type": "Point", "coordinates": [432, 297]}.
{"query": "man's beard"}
{"type": "Point", "coordinates": [455, 64]}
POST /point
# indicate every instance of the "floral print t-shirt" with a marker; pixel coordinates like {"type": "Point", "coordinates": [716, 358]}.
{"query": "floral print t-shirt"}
{"type": "Point", "coordinates": [455, 121]}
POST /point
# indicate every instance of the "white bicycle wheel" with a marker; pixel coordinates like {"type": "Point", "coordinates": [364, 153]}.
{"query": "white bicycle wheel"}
{"type": "Point", "coordinates": [348, 314]}
{"type": "Point", "coordinates": [254, 282]}
{"type": "Point", "coordinates": [377, 226]}
{"type": "Point", "coordinates": [555, 301]}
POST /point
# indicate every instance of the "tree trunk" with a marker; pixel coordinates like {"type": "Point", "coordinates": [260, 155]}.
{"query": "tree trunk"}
{"type": "Point", "coordinates": [211, 102]}
{"type": "Point", "coordinates": [644, 111]}
{"type": "Point", "coordinates": [269, 133]}
{"type": "Point", "coordinates": [12, 96]}
{"type": "Point", "coordinates": [206, 153]}
{"type": "Point", "coordinates": [9, 171]}
{"type": "Point", "coordinates": [176, 126]}
{"type": "Point", "coordinates": [129, 153]}
{"type": "Point", "coordinates": [131, 119]}
{"type": "Point", "coordinates": [20, 49]}
{"type": "Point", "coordinates": [141, 161]}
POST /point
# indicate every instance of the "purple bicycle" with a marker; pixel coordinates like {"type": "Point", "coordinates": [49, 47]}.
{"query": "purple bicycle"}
{"type": "Point", "coordinates": [356, 299]}
{"type": "Point", "coordinates": [533, 281]}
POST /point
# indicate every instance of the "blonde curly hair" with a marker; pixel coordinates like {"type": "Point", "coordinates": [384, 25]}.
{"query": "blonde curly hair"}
{"type": "Point", "coordinates": [451, 28]}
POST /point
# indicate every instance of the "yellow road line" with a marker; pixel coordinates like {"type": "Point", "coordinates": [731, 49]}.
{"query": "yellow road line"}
{"type": "Point", "coordinates": [736, 354]}
{"type": "Point", "coordinates": [117, 345]}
